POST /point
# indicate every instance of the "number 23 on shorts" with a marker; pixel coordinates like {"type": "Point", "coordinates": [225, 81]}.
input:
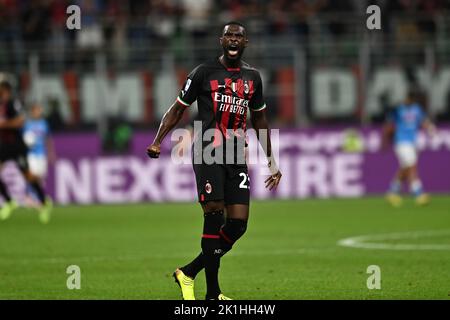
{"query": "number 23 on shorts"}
{"type": "Point", "coordinates": [245, 183]}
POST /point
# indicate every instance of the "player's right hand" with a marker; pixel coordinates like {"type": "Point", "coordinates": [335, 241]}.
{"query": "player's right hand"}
{"type": "Point", "coordinates": [154, 150]}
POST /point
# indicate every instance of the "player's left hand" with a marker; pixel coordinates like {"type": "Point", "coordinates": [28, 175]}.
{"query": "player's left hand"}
{"type": "Point", "coordinates": [273, 181]}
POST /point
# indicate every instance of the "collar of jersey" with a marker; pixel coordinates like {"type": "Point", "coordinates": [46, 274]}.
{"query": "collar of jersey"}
{"type": "Point", "coordinates": [228, 69]}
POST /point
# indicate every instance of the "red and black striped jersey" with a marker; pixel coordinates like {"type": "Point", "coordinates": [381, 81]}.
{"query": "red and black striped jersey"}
{"type": "Point", "coordinates": [8, 111]}
{"type": "Point", "coordinates": [223, 97]}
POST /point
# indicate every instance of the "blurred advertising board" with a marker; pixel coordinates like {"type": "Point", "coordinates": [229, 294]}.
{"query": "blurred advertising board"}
{"type": "Point", "coordinates": [315, 163]}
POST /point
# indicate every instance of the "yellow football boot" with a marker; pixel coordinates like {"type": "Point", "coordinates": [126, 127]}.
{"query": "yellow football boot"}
{"type": "Point", "coordinates": [394, 199]}
{"type": "Point", "coordinates": [423, 200]}
{"type": "Point", "coordinates": [7, 209]}
{"type": "Point", "coordinates": [45, 211]}
{"type": "Point", "coordinates": [186, 284]}
{"type": "Point", "coordinates": [222, 297]}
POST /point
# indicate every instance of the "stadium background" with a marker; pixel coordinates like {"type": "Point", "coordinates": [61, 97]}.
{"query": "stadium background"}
{"type": "Point", "coordinates": [326, 78]}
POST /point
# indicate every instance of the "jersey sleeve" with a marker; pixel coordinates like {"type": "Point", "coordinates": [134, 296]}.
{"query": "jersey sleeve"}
{"type": "Point", "coordinates": [191, 87]}
{"type": "Point", "coordinates": [257, 101]}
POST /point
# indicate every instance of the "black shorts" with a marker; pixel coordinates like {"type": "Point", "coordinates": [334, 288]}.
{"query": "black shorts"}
{"type": "Point", "coordinates": [14, 152]}
{"type": "Point", "coordinates": [222, 182]}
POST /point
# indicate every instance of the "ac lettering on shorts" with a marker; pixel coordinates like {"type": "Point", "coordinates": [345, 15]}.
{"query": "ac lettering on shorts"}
{"type": "Point", "coordinates": [208, 188]}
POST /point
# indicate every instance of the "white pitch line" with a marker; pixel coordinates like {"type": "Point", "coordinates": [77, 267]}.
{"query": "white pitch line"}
{"type": "Point", "coordinates": [363, 242]}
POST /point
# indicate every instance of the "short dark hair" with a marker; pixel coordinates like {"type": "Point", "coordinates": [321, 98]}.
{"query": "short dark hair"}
{"type": "Point", "coordinates": [6, 85]}
{"type": "Point", "coordinates": [237, 23]}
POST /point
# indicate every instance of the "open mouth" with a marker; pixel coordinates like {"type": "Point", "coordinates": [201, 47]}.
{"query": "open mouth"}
{"type": "Point", "coordinates": [233, 50]}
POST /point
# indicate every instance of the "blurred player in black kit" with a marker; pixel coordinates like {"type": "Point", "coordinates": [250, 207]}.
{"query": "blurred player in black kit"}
{"type": "Point", "coordinates": [13, 148]}
{"type": "Point", "coordinates": [225, 89]}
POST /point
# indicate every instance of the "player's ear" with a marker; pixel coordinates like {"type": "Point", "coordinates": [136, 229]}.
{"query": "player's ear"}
{"type": "Point", "coordinates": [221, 41]}
{"type": "Point", "coordinates": [246, 42]}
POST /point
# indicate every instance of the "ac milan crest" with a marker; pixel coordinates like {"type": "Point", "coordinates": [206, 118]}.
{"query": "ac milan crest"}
{"type": "Point", "coordinates": [246, 87]}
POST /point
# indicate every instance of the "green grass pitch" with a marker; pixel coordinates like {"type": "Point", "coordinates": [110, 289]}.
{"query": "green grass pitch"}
{"type": "Point", "coordinates": [290, 251]}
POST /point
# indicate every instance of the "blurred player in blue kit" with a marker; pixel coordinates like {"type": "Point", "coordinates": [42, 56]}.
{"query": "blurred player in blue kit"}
{"type": "Point", "coordinates": [403, 125]}
{"type": "Point", "coordinates": [36, 134]}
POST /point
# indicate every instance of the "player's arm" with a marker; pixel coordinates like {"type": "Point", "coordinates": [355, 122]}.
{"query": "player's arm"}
{"type": "Point", "coordinates": [170, 119]}
{"type": "Point", "coordinates": [14, 123]}
{"type": "Point", "coordinates": [259, 122]}
{"type": "Point", "coordinates": [173, 116]}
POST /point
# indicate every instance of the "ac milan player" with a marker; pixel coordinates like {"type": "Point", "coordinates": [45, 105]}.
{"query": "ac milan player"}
{"type": "Point", "coordinates": [224, 88]}
{"type": "Point", "coordinates": [12, 147]}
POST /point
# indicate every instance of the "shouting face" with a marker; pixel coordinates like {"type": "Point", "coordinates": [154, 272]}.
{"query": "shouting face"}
{"type": "Point", "coordinates": [233, 41]}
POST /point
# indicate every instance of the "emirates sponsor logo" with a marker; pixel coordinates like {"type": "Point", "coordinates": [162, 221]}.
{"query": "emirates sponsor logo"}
{"type": "Point", "coordinates": [227, 103]}
{"type": "Point", "coordinates": [227, 99]}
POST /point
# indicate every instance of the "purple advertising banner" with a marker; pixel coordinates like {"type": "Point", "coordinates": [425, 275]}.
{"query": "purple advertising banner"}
{"type": "Point", "coordinates": [314, 162]}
